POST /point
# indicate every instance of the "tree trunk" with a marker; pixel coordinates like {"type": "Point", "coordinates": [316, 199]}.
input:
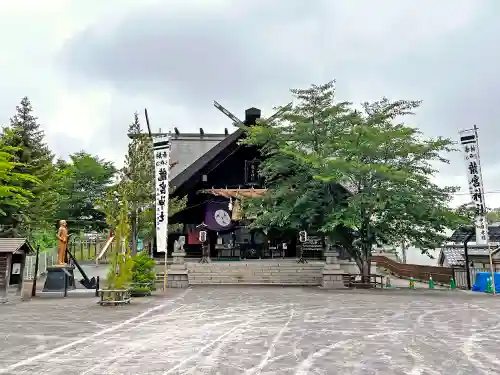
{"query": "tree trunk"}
{"type": "Point", "coordinates": [133, 229]}
{"type": "Point", "coordinates": [365, 271]}
{"type": "Point", "coordinates": [404, 248]}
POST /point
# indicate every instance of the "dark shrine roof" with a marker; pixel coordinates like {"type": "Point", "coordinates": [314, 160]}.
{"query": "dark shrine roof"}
{"type": "Point", "coordinates": [187, 148]}
{"type": "Point", "coordinates": [198, 164]}
{"type": "Point", "coordinates": [462, 234]}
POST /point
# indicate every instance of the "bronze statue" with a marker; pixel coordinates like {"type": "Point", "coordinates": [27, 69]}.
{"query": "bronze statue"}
{"type": "Point", "coordinates": [62, 243]}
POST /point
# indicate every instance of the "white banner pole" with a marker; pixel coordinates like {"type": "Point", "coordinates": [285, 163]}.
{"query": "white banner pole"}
{"type": "Point", "coordinates": [470, 144]}
{"type": "Point", "coordinates": [161, 150]}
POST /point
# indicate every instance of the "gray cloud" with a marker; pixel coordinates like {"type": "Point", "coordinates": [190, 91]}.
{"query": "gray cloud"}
{"type": "Point", "coordinates": [192, 57]}
{"type": "Point", "coordinates": [441, 52]}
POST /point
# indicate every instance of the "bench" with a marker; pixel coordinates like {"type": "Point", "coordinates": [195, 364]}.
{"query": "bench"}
{"type": "Point", "coordinates": [351, 282]}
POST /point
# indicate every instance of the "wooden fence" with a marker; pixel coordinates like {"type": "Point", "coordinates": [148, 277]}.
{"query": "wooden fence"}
{"type": "Point", "coordinates": [418, 272]}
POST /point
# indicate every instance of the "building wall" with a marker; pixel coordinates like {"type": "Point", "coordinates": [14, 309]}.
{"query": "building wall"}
{"type": "Point", "coordinates": [3, 270]}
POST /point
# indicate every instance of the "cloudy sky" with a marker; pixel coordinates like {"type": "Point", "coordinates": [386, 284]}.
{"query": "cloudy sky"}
{"type": "Point", "coordinates": [88, 65]}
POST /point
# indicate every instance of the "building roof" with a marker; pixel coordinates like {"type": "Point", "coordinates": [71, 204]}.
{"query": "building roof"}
{"type": "Point", "coordinates": [454, 255]}
{"type": "Point", "coordinates": [187, 148]}
{"type": "Point", "coordinates": [200, 162]}
{"type": "Point", "coordinates": [469, 234]}
{"type": "Point", "coordinates": [12, 245]}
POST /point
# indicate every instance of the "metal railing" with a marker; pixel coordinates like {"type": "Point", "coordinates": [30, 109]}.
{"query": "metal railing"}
{"type": "Point", "coordinates": [84, 251]}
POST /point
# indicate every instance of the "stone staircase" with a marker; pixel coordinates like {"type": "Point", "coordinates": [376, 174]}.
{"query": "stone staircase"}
{"type": "Point", "coordinates": [256, 273]}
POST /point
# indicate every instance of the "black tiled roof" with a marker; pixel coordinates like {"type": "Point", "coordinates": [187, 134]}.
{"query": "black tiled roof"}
{"type": "Point", "coordinates": [462, 234]}
{"type": "Point", "coordinates": [208, 156]}
{"type": "Point", "coordinates": [453, 256]}
{"type": "Point", "coordinates": [456, 255]}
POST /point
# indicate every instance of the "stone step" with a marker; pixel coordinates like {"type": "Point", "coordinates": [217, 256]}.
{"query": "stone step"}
{"type": "Point", "coordinates": [259, 282]}
{"type": "Point", "coordinates": [267, 270]}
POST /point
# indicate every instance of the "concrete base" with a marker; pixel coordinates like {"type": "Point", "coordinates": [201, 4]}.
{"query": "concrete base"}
{"type": "Point", "coordinates": [177, 279]}
{"type": "Point", "coordinates": [333, 275]}
{"type": "Point", "coordinates": [55, 280]}
{"type": "Point", "coordinates": [177, 276]}
{"type": "Point", "coordinates": [333, 281]}
{"type": "Point", "coordinates": [26, 290]}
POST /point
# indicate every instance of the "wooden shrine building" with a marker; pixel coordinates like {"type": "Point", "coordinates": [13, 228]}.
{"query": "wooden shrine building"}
{"type": "Point", "coordinates": [215, 171]}
{"type": "Point", "coordinates": [214, 183]}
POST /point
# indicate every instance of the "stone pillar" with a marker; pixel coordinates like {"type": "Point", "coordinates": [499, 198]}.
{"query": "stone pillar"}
{"type": "Point", "coordinates": [333, 275]}
{"type": "Point", "coordinates": [177, 275]}
{"type": "Point", "coordinates": [26, 289]}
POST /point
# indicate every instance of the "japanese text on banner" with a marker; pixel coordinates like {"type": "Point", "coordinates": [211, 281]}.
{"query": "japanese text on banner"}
{"type": "Point", "coordinates": [475, 181]}
{"type": "Point", "coordinates": [161, 149]}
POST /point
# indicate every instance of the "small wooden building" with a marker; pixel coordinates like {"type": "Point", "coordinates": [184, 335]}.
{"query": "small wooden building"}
{"type": "Point", "coordinates": [13, 253]}
{"type": "Point", "coordinates": [453, 253]}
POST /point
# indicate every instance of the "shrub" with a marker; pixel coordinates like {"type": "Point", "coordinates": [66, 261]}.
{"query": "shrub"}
{"type": "Point", "coordinates": [143, 273]}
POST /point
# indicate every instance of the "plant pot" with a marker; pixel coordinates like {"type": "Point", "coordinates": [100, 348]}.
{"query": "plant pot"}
{"type": "Point", "coordinates": [141, 289]}
{"type": "Point", "coordinates": [114, 297]}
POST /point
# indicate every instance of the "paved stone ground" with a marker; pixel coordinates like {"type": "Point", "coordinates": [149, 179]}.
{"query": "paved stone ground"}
{"type": "Point", "coordinates": [255, 330]}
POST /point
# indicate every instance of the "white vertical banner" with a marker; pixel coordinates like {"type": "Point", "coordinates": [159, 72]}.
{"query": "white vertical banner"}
{"type": "Point", "coordinates": [469, 141]}
{"type": "Point", "coordinates": [161, 150]}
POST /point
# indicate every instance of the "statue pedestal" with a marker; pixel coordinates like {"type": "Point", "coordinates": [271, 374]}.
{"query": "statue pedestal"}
{"type": "Point", "coordinates": [59, 277]}
{"type": "Point", "coordinates": [177, 276]}
{"type": "Point", "coordinates": [333, 277]}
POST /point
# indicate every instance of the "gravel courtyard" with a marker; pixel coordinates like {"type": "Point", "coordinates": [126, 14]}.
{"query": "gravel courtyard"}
{"type": "Point", "coordinates": [255, 330]}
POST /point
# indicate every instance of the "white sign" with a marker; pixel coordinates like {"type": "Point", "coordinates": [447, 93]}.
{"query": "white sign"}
{"type": "Point", "coordinates": [161, 149]}
{"type": "Point", "coordinates": [16, 268]}
{"type": "Point", "coordinates": [469, 141]}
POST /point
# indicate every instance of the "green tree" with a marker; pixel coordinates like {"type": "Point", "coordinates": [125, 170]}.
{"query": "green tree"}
{"type": "Point", "coordinates": [138, 186]}
{"type": "Point", "coordinates": [385, 166]}
{"type": "Point", "coordinates": [493, 215]}
{"type": "Point", "coordinates": [295, 200]}
{"type": "Point", "coordinates": [12, 194]}
{"type": "Point", "coordinates": [138, 178]}
{"type": "Point", "coordinates": [85, 180]}
{"type": "Point", "coordinates": [34, 158]}
{"type": "Point", "coordinates": [120, 273]}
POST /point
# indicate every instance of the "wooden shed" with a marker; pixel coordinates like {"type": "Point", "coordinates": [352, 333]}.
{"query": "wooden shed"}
{"type": "Point", "coordinates": [13, 253]}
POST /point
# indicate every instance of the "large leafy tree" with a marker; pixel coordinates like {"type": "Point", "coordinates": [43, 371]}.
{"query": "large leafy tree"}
{"type": "Point", "coordinates": [386, 167]}
{"type": "Point", "coordinates": [85, 179]}
{"type": "Point", "coordinates": [32, 157]}
{"type": "Point", "coordinates": [295, 199]}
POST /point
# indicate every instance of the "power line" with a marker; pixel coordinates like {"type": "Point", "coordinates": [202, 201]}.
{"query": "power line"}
{"type": "Point", "coordinates": [485, 193]}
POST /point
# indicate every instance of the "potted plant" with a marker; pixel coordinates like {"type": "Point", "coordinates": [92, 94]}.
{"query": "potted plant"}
{"type": "Point", "coordinates": [143, 275]}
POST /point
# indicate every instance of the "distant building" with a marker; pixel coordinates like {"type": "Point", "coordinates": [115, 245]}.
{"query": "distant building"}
{"type": "Point", "coordinates": [453, 253]}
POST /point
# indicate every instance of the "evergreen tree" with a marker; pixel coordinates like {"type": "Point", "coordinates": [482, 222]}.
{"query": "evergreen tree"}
{"type": "Point", "coordinates": [11, 194]}
{"type": "Point", "coordinates": [138, 176]}
{"type": "Point", "coordinates": [34, 158]}
{"type": "Point", "coordinates": [137, 187]}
